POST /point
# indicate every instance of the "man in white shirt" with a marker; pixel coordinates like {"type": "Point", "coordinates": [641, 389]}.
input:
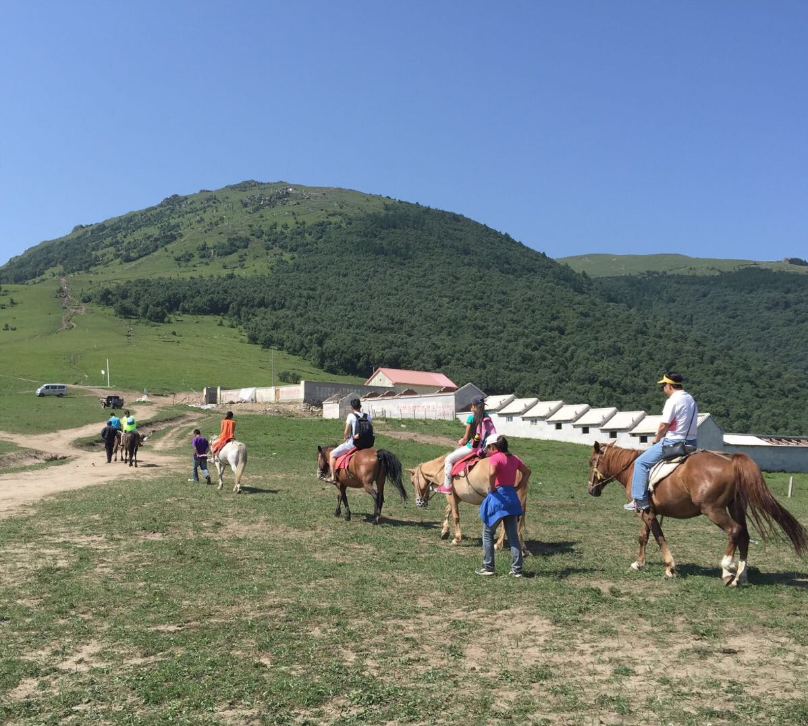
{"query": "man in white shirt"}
{"type": "Point", "coordinates": [679, 423]}
{"type": "Point", "coordinates": [349, 434]}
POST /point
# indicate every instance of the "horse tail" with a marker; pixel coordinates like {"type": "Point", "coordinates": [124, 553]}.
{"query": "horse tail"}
{"type": "Point", "coordinates": [242, 462]}
{"type": "Point", "coordinates": [392, 468]}
{"type": "Point", "coordinates": [766, 512]}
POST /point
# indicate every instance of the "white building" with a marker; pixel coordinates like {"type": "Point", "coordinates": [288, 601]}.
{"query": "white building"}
{"type": "Point", "coordinates": [508, 419]}
{"type": "Point", "coordinates": [770, 453]}
{"type": "Point", "coordinates": [559, 425]}
{"type": "Point", "coordinates": [618, 427]}
{"type": "Point", "coordinates": [589, 427]}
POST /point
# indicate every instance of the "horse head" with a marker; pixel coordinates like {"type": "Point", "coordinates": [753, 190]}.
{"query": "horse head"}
{"type": "Point", "coordinates": [597, 480]}
{"type": "Point", "coordinates": [422, 489]}
{"type": "Point", "coordinates": [322, 461]}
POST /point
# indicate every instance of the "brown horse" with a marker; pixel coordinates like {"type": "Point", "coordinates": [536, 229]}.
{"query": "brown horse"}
{"type": "Point", "coordinates": [366, 468]}
{"type": "Point", "coordinates": [720, 486]}
{"type": "Point", "coordinates": [132, 440]}
{"type": "Point", "coordinates": [471, 489]}
{"type": "Point", "coordinates": [118, 445]}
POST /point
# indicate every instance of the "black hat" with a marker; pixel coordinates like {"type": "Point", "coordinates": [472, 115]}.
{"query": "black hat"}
{"type": "Point", "coordinates": [477, 401]}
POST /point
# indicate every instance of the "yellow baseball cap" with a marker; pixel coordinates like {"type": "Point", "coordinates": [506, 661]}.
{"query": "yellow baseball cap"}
{"type": "Point", "coordinates": [672, 379]}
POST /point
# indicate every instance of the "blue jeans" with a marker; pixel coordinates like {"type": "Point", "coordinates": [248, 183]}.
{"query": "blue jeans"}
{"type": "Point", "coordinates": [643, 465]}
{"type": "Point", "coordinates": [200, 463]}
{"type": "Point", "coordinates": [512, 532]}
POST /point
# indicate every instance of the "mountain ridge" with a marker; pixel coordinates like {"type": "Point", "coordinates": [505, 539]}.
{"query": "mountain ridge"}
{"type": "Point", "coordinates": [350, 281]}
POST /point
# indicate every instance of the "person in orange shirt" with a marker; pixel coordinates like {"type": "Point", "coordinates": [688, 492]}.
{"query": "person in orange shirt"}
{"type": "Point", "coordinates": [228, 433]}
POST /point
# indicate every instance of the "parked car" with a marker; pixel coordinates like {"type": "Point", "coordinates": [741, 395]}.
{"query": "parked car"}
{"type": "Point", "coordinates": [113, 401]}
{"type": "Point", "coordinates": [52, 389]}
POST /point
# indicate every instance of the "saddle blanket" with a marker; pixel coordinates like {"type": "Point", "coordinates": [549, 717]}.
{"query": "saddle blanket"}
{"type": "Point", "coordinates": [664, 468]}
{"type": "Point", "coordinates": [466, 464]}
{"type": "Point", "coordinates": [343, 461]}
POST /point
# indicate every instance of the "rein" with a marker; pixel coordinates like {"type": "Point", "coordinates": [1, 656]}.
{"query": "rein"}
{"type": "Point", "coordinates": [603, 481]}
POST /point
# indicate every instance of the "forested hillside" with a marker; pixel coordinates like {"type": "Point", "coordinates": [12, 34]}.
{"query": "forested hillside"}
{"type": "Point", "coordinates": [351, 282]}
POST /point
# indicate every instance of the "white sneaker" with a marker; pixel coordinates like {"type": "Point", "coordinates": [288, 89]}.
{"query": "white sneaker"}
{"type": "Point", "coordinates": [194, 481]}
{"type": "Point", "coordinates": [637, 505]}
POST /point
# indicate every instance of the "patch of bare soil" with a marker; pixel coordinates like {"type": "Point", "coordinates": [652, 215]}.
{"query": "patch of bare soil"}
{"type": "Point", "coordinates": [27, 458]}
{"type": "Point", "coordinates": [85, 468]}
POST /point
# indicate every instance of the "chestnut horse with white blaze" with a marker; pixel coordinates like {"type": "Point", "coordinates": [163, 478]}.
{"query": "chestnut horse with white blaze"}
{"type": "Point", "coordinates": [366, 468]}
{"type": "Point", "coordinates": [722, 487]}
{"type": "Point", "coordinates": [472, 489]}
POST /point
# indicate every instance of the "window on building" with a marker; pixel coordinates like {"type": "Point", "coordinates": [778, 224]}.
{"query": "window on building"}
{"type": "Point", "coordinates": [509, 418]}
{"type": "Point", "coordinates": [534, 422]}
{"type": "Point", "coordinates": [643, 439]}
{"type": "Point", "coordinates": [612, 434]}
{"type": "Point", "coordinates": [558, 427]}
{"type": "Point", "coordinates": [585, 429]}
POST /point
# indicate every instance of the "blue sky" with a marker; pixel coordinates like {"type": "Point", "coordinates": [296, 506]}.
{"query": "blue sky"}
{"type": "Point", "coordinates": [576, 127]}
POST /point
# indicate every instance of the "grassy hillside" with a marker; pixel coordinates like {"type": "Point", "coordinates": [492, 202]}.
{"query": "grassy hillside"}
{"type": "Point", "coordinates": [606, 265]}
{"type": "Point", "coordinates": [230, 230]}
{"type": "Point", "coordinates": [347, 282]}
{"type": "Point", "coordinates": [189, 353]}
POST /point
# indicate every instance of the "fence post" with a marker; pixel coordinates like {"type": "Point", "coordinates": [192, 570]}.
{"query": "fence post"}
{"type": "Point", "coordinates": [790, 485]}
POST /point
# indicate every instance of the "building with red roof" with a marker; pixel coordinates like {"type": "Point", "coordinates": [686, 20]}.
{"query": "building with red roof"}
{"type": "Point", "coordinates": [400, 380]}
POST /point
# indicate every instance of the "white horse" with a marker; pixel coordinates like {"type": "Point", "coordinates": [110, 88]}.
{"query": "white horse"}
{"type": "Point", "coordinates": [235, 454]}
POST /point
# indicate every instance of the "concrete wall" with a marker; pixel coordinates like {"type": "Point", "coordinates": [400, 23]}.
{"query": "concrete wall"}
{"type": "Point", "coordinates": [313, 392]}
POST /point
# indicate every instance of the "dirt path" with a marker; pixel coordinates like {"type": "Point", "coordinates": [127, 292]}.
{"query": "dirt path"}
{"type": "Point", "coordinates": [87, 468]}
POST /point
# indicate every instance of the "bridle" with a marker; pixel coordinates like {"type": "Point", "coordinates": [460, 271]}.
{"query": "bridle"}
{"type": "Point", "coordinates": [602, 480]}
{"type": "Point", "coordinates": [421, 501]}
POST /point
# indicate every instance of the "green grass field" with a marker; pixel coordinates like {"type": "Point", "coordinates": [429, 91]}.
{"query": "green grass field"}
{"type": "Point", "coordinates": [605, 265]}
{"type": "Point", "coordinates": [184, 355]}
{"type": "Point", "coordinates": [157, 601]}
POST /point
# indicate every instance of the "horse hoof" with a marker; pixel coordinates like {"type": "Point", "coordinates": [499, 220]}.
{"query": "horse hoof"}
{"type": "Point", "coordinates": [729, 580]}
{"type": "Point", "coordinates": [444, 535]}
{"type": "Point", "coordinates": [670, 573]}
{"type": "Point", "coordinates": [636, 566]}
{"type": "Point", "coordinates": [455, 542]}
{"type": "Point", "coordinates": [338, 513]}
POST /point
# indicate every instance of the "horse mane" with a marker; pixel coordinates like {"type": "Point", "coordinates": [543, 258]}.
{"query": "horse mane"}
{"type": "Point", "coordinates": [619, 457]}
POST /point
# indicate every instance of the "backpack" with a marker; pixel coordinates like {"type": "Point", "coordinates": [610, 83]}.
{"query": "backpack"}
{"type": "Point", "coordinates": [363, 436]}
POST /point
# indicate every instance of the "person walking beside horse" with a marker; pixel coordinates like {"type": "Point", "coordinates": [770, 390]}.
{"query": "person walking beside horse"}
{"type": "Point", "coordinates": [502, 503]}
{"type": "Point", "coordinates": [110, 437]}
{"type": "Point", "coordinates": [478, 428]}
{"type": "Point", "coordinates": [679, 426]}
{"type": "Point", "coordinates": [201, 448]}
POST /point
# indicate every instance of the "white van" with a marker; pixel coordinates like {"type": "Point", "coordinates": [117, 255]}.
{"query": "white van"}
{"type": "Point", "coordinates": [52, 389]}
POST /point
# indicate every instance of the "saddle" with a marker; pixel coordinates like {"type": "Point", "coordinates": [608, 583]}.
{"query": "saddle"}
{"type": "Point", "coordinates": [343, 461]}
{"type": "Point", "coordinates": [463, 466]}
{"type": "Point", "coordinates": [665, 468]}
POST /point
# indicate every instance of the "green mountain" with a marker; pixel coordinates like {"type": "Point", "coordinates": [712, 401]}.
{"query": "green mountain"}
{"type": "Point", "coordinates": [605, 265]}
{"type": "Point", "coordinates": [350, 281]}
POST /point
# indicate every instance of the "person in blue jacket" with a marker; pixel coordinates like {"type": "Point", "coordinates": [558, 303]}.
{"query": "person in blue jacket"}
{"type": "Point", "coordinates": [502, 503]}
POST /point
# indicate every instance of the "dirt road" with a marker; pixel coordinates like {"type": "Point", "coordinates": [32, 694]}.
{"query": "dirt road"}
{"type": "Point", "coordinates": [88, 468]}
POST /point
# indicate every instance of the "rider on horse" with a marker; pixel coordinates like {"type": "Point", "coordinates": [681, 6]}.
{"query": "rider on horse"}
{"type": "Point", "coordinates": [478, 428]}
{"type": "Point", "coordinates": [350, 436]}
{"type": "Point", "coordinates": [129, 423]}
{"type": "Point", "coordinates": [679, 424]}
{"type": "Point", "coordinates": [227, 433]}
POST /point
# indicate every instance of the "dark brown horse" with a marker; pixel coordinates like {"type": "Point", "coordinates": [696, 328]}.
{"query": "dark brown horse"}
{"type": "Point", "coordinates": [366, 468]}
{"type": "Point", "coordinates": [722, 487]}
{"type": "Point", "coordinates": [132, 441]}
